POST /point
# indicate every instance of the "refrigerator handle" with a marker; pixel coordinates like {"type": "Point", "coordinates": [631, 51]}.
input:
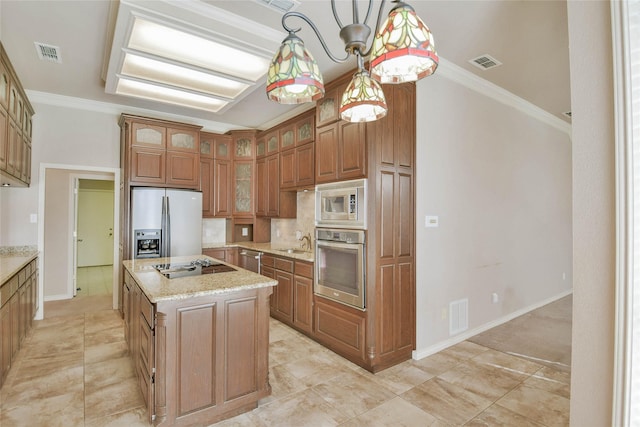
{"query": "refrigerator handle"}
{"type": "Point", "coordinates": [166, 227]}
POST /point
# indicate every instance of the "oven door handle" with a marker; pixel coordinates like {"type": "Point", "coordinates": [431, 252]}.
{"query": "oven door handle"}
{"type": "Point", "coordinates": [333, 244]}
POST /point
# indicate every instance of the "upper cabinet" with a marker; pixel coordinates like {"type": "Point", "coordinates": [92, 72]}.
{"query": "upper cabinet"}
{"type": "Point", "coordinates": [163, 154]}
{"type": "Point", "coordinates": [340, 147]}
{"type": "Point", "coordinates": [15, 127]}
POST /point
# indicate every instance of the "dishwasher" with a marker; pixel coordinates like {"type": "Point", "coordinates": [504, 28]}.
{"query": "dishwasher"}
{"type": "Point", "coordinates": [250, 260]}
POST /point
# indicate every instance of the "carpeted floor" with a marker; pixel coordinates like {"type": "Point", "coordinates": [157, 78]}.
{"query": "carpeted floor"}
{"type": "Point", "coordinates": [542, 335]}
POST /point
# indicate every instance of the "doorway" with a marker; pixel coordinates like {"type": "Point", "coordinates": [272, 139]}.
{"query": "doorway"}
{"type": "Point", "coordinates": [94, 235]}
{"type": "Point", "coordinates": [59, 246]}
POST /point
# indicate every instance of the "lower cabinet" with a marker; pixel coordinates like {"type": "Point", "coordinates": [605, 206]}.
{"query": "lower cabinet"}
{"type": "Point", "coordinates": [229, 255]}
{"type": "Point", "coordinates": [18, 297]}
{"type": "Point", "coordinates": [199, 360]}
{"type": "Point", "coordinates": [292, 300]}
{"type": "Point", "coordinates": [340, 328]}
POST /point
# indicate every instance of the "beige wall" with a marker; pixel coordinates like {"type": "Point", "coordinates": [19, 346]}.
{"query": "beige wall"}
{"type": "Point", "coordinates": [62, 136]}
{"type": "Point", "coordinates": [500, 183]}
{"type": "Point", "coordinates": [593, 212]}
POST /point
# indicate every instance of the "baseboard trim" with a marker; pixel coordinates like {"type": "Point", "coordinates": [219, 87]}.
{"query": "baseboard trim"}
{"type": "Point", "coordinates": [57, 297]}
{"type": "Point", "coordinates": [428, 351]}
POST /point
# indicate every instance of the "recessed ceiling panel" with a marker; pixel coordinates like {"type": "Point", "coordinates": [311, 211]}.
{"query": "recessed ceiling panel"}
{"type": "Point", "coordinates": [164, 94]}
{"type": "Point", "coordinates": [174, 75]}
{"type": "Point", "coordinates": [164, 41]}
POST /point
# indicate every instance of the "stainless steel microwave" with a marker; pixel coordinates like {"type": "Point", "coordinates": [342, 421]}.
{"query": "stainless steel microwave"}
{"type": "Point", "coordinates": [342, 204]}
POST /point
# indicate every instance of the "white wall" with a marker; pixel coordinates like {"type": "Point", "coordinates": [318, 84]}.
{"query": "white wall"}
{"type": "Point", "coordinates": [500, 182]}
{"type": "Point", "coordinates": [594, 213]}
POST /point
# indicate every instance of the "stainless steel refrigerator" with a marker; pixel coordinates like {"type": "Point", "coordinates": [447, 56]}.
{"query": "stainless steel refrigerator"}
{"type": "Point", "coordinates": [165, 222]}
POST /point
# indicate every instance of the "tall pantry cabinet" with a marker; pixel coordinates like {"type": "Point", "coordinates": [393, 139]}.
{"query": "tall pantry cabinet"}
{"type": "Point", "coordinates": [382, 151]}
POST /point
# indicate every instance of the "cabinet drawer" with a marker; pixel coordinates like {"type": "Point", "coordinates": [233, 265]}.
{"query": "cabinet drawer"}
{"type": "Point", "coordinates": [8, 289]}
{"type": "Point", "coordinates": [22, 277]}
{"type": "Point", "coordinates": [304, 269]}
{"type": "Point", "coordinates": [146, 308]}
{"type": "Point", "coordinates": [284, 264]}
{"type": "Point", "coordinates": [267, 261]}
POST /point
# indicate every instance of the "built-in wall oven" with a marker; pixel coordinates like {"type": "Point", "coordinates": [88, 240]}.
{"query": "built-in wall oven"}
{"type": "Point", "coordinates": [340, 266]}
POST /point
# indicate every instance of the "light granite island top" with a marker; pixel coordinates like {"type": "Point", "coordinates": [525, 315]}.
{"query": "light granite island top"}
{"type": "Point", "coordinates": [159, 288]}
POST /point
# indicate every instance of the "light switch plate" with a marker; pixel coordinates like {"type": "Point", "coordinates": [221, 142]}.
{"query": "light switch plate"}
{"type": "Point", "coordinates": [431, 221]}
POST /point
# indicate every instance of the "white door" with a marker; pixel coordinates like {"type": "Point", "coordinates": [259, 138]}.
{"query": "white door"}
{"type": "Point", "coordinates": [95, 227]}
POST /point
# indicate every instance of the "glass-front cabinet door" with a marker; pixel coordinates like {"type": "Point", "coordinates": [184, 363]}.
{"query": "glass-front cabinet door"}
{"type": "Point", "coordinates": [243, 188]}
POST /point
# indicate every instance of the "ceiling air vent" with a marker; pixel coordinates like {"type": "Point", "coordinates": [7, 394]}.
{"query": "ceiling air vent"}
{"type": "Point", "coordinates": [567, 113]}
{"type": "Point", "coordinates": [484, 62]}
{"type": "Point", "coordinates": [280, 6]}
{"type": "Point", "coordinates": [48, 52]}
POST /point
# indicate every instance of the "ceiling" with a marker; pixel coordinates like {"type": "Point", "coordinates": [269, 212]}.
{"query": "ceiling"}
{"type": "Point", "coordinates": [529, 38]}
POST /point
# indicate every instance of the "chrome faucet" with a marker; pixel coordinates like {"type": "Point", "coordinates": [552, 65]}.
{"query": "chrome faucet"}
{"type": "Point", "coordinates": [306, 245]}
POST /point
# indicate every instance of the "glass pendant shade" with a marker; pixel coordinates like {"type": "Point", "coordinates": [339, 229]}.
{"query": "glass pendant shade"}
{"type": "Point", "coordinates": [403, 49]}
{"type": "Point", "coordinates": [363, 100]}
{"type": "Point", "coordinates": [294, 76]}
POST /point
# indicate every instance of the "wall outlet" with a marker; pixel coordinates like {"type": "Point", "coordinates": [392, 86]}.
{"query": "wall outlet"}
{"type": "Point", "coordinates": [33, 218]}
{"type": "Point", "coordinates": [431, 221]}
{"type": "Point", "coordinates": [564, 276]}
{"type": "Point", "coordinates": [495, 298]}
{"type": "Point", "coordinates": [443, 314]}
{"type": "Point", "coordinates": [245, 231]}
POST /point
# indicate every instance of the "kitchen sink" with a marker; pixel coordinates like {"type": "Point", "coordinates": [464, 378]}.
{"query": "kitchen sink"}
{"type": "Point", "coordinates": [293, 251]}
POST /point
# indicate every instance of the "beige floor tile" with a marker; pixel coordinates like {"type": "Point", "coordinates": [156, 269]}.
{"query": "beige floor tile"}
{"type": "Point", "coordinates": [437, 363]}
{"type": "Point", "coordinates": [353, 394]}
{"type": "Point", "coordinates": [108, 351]}
{"type": "Point", "coordinates": [402, 377]}
{"type": "Point", "coordinates": [484, 379]}
{"type": "Point", "coordinates": [557, 382]}
{"type": "Point", "coordinates": [65, 410]}
{"type": "Point", "coordinates": [396, 412]}
{"type": "Point", "coordinates": [306, 408]}
{"type": "Point", "coordinates": [112, 399]}
{"type": "Point", "coordinates": [448, 402]}
{"type": "Point", "coordinates": [108, 372]}
{"type": "Point", "coordinates": [133, 418]}
{"type": "Point", "coordinates": [497, 416]}
{"type": "Point", "coordinates": [242, 420]}
{"type": "Point", "coordinates": [41, 388]}
{"type": "Point", "coordinates": [515, 364]}
{"type": "Point", "coordinates": [541, 406]}
{"type": "Point", "coordinates": [283, 383]}
{"type": "Point", "coordinates": [315, 369]}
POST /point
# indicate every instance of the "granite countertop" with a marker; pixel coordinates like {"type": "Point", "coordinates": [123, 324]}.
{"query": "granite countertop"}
{"type": "Point", "coordinates": [12, 262]}
{"type": "Point", "coordinates": [158, 288]}
{"type": "Point", "coordinates": [270, 248]}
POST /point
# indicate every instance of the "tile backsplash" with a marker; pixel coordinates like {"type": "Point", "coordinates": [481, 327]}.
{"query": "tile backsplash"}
{"type": "Point", "coordinates": [213, 230]}
{"type": "Point", "coordinates": [283, 231]}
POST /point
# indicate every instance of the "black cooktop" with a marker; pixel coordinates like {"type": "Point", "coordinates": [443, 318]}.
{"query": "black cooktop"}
{"type": "Point", "coordinates": [193, 268]}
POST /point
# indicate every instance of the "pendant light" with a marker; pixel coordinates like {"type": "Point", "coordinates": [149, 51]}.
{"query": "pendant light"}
{"type": "Point", "coordinates": [402, 51]}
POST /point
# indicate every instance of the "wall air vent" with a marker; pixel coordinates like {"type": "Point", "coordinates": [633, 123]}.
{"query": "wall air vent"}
{"type": "Point", "coordinates": [567, 113]}
{"type": "Point", "coordinates": [48, 52]}
{"type": "Point", "coordinates": [280, 6]}
{"type": "Point", "coordinates": [484, 62]}
{"type": "Point", "coordinates": [458, 316]}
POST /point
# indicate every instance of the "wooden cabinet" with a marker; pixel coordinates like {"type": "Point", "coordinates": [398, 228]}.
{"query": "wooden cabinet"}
{"type": "Point", "coordinates": [292, 300]}
{"type": "Point", "coordinates": [297, 168]}
{"type": "Point", "coordinates": [200, 360]}
{"type": "Point", "coordinates": [206, 186]}
{"type": "Point", "coordinates": [222, 177]}
{"type": "Point", "coordinates": [15, 127]}
{"type": "Point", "coordinates": [303, 296]}
{"type": "Point", "coordinates": [328, 107]}
{"type": "Point", "coordinates": [223, 254]}
{"type": "Point", "coordinates": [341, 328]}
{"type": "Point", "coordinates": [18, 305]}
{"type": "Point", "coordinates": [242, 187]}
{"type": "Point", "coordinates": [340, 151]}
{"type": "Point", "coordinates": [162, 154]}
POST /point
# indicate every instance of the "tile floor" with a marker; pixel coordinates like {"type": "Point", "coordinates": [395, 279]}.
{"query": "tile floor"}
{"type": "Point", "coordinates": [73, 370]}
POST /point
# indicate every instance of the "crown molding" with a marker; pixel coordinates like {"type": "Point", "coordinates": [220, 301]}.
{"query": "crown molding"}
{"type": "Point", "coordinates": [117, 109]}
{"type": "Point", "coordinates": [461, 76]}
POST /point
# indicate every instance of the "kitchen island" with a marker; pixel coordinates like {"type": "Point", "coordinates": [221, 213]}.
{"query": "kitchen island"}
{"type": "Point", "coordinates": [199, 343]}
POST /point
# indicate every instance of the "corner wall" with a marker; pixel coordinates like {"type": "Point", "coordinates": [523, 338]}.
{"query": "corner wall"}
{"type": "Point", "coordinates": [500, 182]}
{"type": "Point", "coordinates": [594, 212]}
